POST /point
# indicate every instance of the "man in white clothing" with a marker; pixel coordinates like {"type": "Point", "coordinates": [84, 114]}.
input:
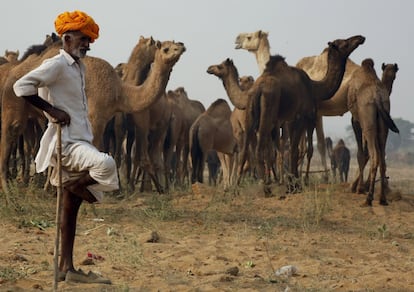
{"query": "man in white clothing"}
{"type": "Point", "coordinates": [87, 172]}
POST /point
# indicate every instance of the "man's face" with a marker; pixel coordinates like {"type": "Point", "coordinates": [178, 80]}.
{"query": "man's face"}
{"type": "Point", "coordinates": [77, 44]}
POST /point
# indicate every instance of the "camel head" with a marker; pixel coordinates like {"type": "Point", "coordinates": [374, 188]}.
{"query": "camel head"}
{"type": "Point", "coordinates": [345, 47]}
{"type": "Point", "coordinates": [246, 82]}
{"type": "Point", "coordinates": [50, 39]}
{"type": "Point", "coordinates": [223, 69]}
{"type": "Point", "coordinates": [169, 51]}
{"type": "Point", "coordinates": [389, 71]}
{"type": "Point", "coordinates": [144, 50]}
{"type": "Point", "coordinates": [178, 94]}
{"type": "Point", "coordinates": [250, 41]}
{"type": "Point", "coordinates": [119, 69]}
{"type": "Point", "coordinates": [11, 56]}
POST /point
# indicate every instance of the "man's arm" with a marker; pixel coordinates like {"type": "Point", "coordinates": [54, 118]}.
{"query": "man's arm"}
{"type": "Point", "coordinates": [60, 116]}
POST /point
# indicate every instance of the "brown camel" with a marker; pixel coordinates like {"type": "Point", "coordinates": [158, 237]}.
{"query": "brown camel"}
{"type": "Point", "coordinates": [212, 130]}
{"type": "Point", "coordinates": [369, 104]}
{"type": "Point", "coordinates": [285, 94]}
{"type": "Point", "coordinates": [185, 112]}
{"type": "Point", "coordinates": [257, 43]}
{"type": "Point", "coordinates": [106, 94]}
{"type": "Point", "coordinates": [340, 157]}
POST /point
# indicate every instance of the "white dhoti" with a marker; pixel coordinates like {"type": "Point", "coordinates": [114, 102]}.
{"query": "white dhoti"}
{"type": "Point", "coordinates": [80, 158]}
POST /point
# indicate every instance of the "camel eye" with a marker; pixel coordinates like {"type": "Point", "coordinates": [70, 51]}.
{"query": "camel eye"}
{"type": "Point", "coordinates": [166, 50]}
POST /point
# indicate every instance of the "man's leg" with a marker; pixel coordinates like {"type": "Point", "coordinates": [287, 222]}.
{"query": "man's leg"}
{"type": "Point", "coordinates": [78, 188]}
{"type": "Point", "coordinates": [70, 208]}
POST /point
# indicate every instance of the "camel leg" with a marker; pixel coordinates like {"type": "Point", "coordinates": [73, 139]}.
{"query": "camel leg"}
{"type": "Point", "coordinates": [224, 162]}
{"type": "Point", "coordinates": [309, 153]}
{"type": "Point", "coordinates": [357, 185]}
{"type": "Point", "coordinates": [373, 150]}
{"type": "Point", "coordinates": [382, 140]}
{"type": "Point", "coordinates": [295, 133]}
{"type": "Point", "coordinates": [320, 135]}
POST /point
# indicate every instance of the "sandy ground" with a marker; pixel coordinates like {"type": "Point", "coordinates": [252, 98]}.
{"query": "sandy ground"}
{"type": "Point", "coordinates": [215, 241]}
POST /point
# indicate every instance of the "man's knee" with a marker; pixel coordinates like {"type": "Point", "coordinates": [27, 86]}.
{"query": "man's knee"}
{"type": "Point", "coordinates": [108, 163]}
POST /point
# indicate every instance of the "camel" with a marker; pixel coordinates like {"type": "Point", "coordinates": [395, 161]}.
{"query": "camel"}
{"type": "Point", "coordinates": [151, 128]}
{"type": "Point", "coordinates": [340, 157]}
{"type": "Point", "coordinates": [185, 112]}
{"type": "Point", "coordinates": [28, 142]}
{"type": "Point", "coordinates": [257, 43]}
{"type": "Point", "coordinates": [107, 94]}
{"type": "Point", "coordinates": [9, 57]}
{"type": "Point", "coordinates": [134, 72]}
{"type": "Point", "coordinates": [213, 165]}
{"type": "Point", "coordinates": [285, 94]}
{"type": "Point", "coordinates": [212, 130]}
{"type": "Point", "coordinates": [369, 104]}
{"type": "Point", "coordinates": [238, 120]}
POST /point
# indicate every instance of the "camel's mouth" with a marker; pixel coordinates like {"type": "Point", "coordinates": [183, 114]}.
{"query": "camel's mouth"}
{"type": "Point", "coordinates": [238, 46]}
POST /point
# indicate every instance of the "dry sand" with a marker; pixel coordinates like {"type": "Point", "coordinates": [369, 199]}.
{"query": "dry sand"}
{"type": "Point", "coordinates": [216, 241]}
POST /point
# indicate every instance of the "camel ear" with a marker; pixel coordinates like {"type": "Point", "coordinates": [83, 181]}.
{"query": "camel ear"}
{"type": "Point", "coordinates": [158, 44]}
{"type": "Point", "coordinates": [396, 67]}
{"type": "Point", "coordinates": [17, 54]}
{"type": "Point", "coordinates": [383, 66]}
{"type": "Point", "coordinates": [6, 52]}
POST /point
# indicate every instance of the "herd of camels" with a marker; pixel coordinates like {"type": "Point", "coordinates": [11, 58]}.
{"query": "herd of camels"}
{"type": "Point", "coordinates": [164, 136]}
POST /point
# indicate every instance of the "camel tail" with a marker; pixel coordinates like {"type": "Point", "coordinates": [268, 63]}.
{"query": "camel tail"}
{"type": "Point", "coordinates": [196, 156]}
{"type": "Point", "coordinates": [386, 117]}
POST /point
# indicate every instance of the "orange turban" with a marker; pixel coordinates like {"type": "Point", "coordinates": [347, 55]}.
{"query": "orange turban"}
{"type": "Point", "coordinates": [77, 20]}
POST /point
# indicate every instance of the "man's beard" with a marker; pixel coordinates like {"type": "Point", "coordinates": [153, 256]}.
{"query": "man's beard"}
{"type": "Point", "coordinates": [80, 52]}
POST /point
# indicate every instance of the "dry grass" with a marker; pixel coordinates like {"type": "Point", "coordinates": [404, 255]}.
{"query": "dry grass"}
{"type": "Point", "coordinates": [336, 245]}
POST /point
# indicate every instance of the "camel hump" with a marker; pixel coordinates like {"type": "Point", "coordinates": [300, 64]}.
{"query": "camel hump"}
{"type": "Point", "coordinates": [219, 108]}
{"type": "Point", "coordinates": [368, 63]}
{"type": "Point", "coordinates": [274, 63]}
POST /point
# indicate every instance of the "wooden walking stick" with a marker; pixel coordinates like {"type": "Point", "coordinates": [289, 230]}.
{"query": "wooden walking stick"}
{"type": "Point", "coordinates": [58, 204]}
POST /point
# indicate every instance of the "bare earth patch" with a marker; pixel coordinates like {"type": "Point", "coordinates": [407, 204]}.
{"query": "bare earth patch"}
{"type": "Point", "coordinates": [215, 241]}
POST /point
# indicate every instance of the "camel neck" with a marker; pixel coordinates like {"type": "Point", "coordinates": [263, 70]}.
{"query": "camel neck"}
{"type": "Point", "coordinates": [263, 54]}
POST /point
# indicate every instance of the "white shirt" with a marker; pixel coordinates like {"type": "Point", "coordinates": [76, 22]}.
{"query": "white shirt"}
{"type": "Point", "coordinates": [61, 81]}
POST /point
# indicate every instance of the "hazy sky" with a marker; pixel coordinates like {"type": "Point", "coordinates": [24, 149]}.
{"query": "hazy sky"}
{"type": "Point", "coordinates": [297, 28]}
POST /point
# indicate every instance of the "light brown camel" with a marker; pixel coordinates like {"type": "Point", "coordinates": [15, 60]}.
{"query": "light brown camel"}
{"type": "Point", "coordinates": [150, 129]}
{"type": "Point", "coordinates": [107, 94]}
{"type": "Point", "coordinates": [212, 130]}
{"type": "Point", "coordinates": [257, 43]}
{"type": "Point", "coordinates": [9, 57]}
{"type": "Point", "coordinates": [134, 72]}
{"type": "Point", "coordinates": [238, 120]}
{"type": "Point", "coordinates": [28, 142]}
{"type": "Point", "coordinates": [285, 94]}
{"type": "Point", "coordinates": [369, 104]}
